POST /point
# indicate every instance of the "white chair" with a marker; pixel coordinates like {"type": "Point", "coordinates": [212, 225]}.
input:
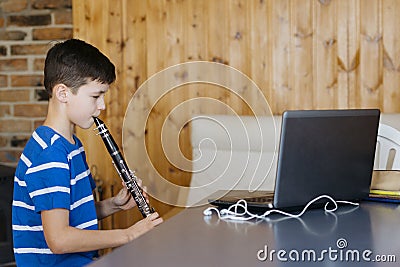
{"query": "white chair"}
{"type": "Point", "coordinates": [387, 155]}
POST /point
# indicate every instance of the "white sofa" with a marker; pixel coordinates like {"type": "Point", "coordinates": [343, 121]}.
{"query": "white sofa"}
{"type": "Point", "coordinates": [231, 152]}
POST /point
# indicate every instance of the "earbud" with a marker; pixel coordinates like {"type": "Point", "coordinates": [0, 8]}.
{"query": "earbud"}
{"type": "Point", "coordinates": [207, 212]}
{"type": "Point", "coordinates": [224, 212]}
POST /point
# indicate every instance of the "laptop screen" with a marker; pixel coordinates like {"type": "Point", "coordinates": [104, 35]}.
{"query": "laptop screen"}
{"type": "Point", "coordinates": [325, 152]}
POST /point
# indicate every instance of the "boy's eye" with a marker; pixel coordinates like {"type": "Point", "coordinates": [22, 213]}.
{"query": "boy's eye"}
{"type": "Point", "coordinates": [96, 96]}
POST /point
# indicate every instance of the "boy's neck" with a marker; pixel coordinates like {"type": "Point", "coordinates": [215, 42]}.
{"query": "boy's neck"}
{"type": "Point", "coordinates": [58, 121]}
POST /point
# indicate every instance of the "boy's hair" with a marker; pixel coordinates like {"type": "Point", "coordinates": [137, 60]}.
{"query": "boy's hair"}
{"type": "Point", "coordinates": [76, 63]}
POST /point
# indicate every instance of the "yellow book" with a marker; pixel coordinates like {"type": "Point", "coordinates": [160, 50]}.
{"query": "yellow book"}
{"type": "Point", "coordinates": [385, 192]}
{"type": "Point", "coordinates": [386, 180]}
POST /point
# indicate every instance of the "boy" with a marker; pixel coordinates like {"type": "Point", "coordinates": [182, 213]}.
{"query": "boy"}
{"type": "Point", "coordinates": [54, 214]}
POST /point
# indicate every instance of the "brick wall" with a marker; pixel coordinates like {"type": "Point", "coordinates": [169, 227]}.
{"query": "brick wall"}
{"type": "Point", "coordinates": [27, 30]}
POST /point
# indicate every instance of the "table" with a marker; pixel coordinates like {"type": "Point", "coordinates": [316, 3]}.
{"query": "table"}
{"type": "Point", "coordinates": [368, 232]}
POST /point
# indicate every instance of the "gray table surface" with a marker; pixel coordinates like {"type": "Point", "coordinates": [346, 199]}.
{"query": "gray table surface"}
{"type": "Point", "coordinates": [191, 239]}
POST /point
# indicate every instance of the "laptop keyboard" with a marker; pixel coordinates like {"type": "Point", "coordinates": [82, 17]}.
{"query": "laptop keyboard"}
{"type": "Point", "coordinates": [260, 199]}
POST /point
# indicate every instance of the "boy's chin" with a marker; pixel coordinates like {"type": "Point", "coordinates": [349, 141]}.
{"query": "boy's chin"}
{"type": "Point", "coordinates": [86, 125]}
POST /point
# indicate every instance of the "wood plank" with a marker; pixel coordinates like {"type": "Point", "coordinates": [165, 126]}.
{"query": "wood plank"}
{"type": "Point", "coordinates": [195, 30]}
{"type": "Point", "coordinates": [156, 36]}
{"type": "Point", "coordinates": [391, 56]}
{"type": "Point", "coordinates": [217, 38]}
{"type": "Point", "coordinates": [217, 43]}
{"type": "Point", "coordinates": [281, 59]}
{"type": "Point", "coordinates": [348, 53]}
{"type": "Point", "coordinates": [259, 54]}
{"type": "Point", "coordinates": [135, 51]}
{"type": "Point", "coordinates": [301, 52]}
{"type": "Point", "coordinates": [370, 53]}
{"type": "Point", "coordinates": [78, 18]}
{"type": "Point", "coordinates": [238, 43]}
{"type": "Point", "coordinates": [325, 52]}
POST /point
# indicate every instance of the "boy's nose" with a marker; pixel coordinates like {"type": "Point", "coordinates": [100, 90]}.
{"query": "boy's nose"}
{"type": "Point", "coordinates": [101, 104]}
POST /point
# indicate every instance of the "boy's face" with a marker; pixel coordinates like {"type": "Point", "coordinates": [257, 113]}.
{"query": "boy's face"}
{"type": "Point", "coordinates": [88, 102]}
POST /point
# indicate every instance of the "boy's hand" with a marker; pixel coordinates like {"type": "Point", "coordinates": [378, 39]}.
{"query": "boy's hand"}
{"type": "Point", "coordinates": [144, 226]}
{"type": "Point", "coordinates": [124, 199]}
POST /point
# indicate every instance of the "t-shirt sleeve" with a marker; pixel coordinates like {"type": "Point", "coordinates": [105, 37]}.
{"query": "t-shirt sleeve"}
{"type": "Point", "coordinates": [48, 180]}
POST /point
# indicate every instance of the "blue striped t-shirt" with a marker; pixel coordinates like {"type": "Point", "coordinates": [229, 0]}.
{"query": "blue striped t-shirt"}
{"type": "Point", "coordinates": [51, 173]}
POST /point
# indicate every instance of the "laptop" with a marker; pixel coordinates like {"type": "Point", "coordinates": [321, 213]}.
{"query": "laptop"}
{"type": "Point", "coordinates": [321, 152]}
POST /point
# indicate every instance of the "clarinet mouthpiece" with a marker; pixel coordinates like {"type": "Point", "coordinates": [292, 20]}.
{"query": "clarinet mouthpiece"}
{"type": "Point", "coordinates": [100, 126]}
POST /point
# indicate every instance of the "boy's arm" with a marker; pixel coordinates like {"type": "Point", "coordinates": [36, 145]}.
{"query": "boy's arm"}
{"type": "Point", "coordinates": [62, 238]}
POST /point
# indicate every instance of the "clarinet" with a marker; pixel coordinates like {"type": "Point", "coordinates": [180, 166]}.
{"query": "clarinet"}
{"type": "Point", "coordinates": [124, 172]}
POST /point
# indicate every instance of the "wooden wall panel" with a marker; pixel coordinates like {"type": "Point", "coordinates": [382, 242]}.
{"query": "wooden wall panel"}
{"type": "Point", "coordinates": [325, 85]}
{"type": "Point", "coordinates": [370, 54]}
{"type": "Point", "coordinates": [259, 47]}
{"type": "Point", "coordinates": [391, 56]}
{"type": "Point", "coordinates": [302, 54]}
{"type": "Point", "coordinates": [348, 52]}
{"type": "Point", "coordinates": [280, 72]}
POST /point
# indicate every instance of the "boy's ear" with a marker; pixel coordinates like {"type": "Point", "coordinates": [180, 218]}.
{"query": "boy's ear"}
{"type": "Point", "coordinates": [61, 92]}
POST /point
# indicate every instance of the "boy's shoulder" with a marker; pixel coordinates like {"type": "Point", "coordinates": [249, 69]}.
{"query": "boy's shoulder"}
{"type": "Point", "coordinates": [46, 137]}
{"type": "Point", "coordinates": [45, 143]}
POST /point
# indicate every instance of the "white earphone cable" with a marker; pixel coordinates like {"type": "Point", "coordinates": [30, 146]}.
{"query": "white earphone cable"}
{"type": "Point", "coordinates": [233, 213]}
